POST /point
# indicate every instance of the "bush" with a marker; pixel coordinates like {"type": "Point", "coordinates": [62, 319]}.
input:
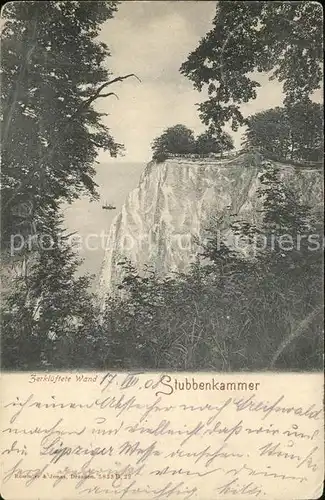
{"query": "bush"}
{"type": "Point", "coordinates": [179, 140]}
{"type": "Point", "coordinates": [175, 140]}
{"type": "Point", "coordinates": [208, 142]}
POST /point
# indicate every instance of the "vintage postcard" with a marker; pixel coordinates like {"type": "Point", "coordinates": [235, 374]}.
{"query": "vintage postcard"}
{"type": "Point", "coordinates": [162, 250]}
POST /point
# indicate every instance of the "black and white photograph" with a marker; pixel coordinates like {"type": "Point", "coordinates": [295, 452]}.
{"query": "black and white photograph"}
{"type": "Point", "coordinates": [162, 186]}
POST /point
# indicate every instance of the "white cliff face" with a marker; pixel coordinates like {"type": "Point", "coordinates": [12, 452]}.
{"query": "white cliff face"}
{"type": "Point", "coordinates": [174, 203]}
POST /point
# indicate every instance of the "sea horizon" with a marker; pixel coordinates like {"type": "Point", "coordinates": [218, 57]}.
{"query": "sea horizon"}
{"type": "Point", "coordinates": [84, 217]}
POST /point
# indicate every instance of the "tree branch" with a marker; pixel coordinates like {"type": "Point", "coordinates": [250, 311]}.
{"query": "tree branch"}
{"type": "Point", "coordinates": [97, 93]}
{"type": "Point", "coordinates": [84, 105]}
{"type": "Point", "coordinates": [107, 95]}
{"type": "Point", "coordinates": [117, 79]}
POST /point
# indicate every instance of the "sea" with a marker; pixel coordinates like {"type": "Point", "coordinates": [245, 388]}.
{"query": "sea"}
{"type": "Point", "coordinates": [87, 220]}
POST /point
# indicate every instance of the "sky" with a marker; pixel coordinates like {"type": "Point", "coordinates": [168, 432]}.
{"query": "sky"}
{"type": "Point", "coordinates": [152, 39]}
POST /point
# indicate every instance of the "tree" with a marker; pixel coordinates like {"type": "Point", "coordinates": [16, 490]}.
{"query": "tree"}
{"type": "Point", "coordinates": [48, 309]}
{"type": "Point", "coordinates": [175, 140]}
{"type": "Point", "coordinates": [292, 133]}
{"type": "Point", "coordinates": [269, 131]}
{"type": "Point", "coordinates": [281, 38]}
{"type": "Point", "coordinates": [307, 125]}
{"type": "Point", "coordinates": [209, 143]}
{"type": "Point", "coordinates": [53, 69]}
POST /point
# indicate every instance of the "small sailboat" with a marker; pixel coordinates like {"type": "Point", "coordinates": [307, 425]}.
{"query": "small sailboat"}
{"type": "Point", "coordinates": [108, 206]}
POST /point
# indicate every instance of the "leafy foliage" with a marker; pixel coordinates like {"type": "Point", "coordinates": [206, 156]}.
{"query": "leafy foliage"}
{"type": "Point", "coordinates": [229, 312]}
{"type": "Point", "coordinates": [53, 68]}
{"type": "Point", "coordinates": [208, 142]}
{"type": "Point", "coordinates": [52, 63]}
{"type": "Point", "coordinates": [292, 133]}
{"type": "Point", "coordinates": [177, 140]}
{"type": "Point", "coordinates": [180, 140]}
{"type": "Point", "coordinates": [48, 308]}
{"type": "Point", "coordinates": [283, 39]}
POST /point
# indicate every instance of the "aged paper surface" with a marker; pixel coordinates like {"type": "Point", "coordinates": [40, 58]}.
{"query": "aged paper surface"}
{"type": "Point", "coordinates": [140, 436]}
{"type": "Point", "coordinates": [177, 148]}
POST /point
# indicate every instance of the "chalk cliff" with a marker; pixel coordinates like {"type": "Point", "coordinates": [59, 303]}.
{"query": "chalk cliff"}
{"type": "Point", "coordinates": [175, 202]}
